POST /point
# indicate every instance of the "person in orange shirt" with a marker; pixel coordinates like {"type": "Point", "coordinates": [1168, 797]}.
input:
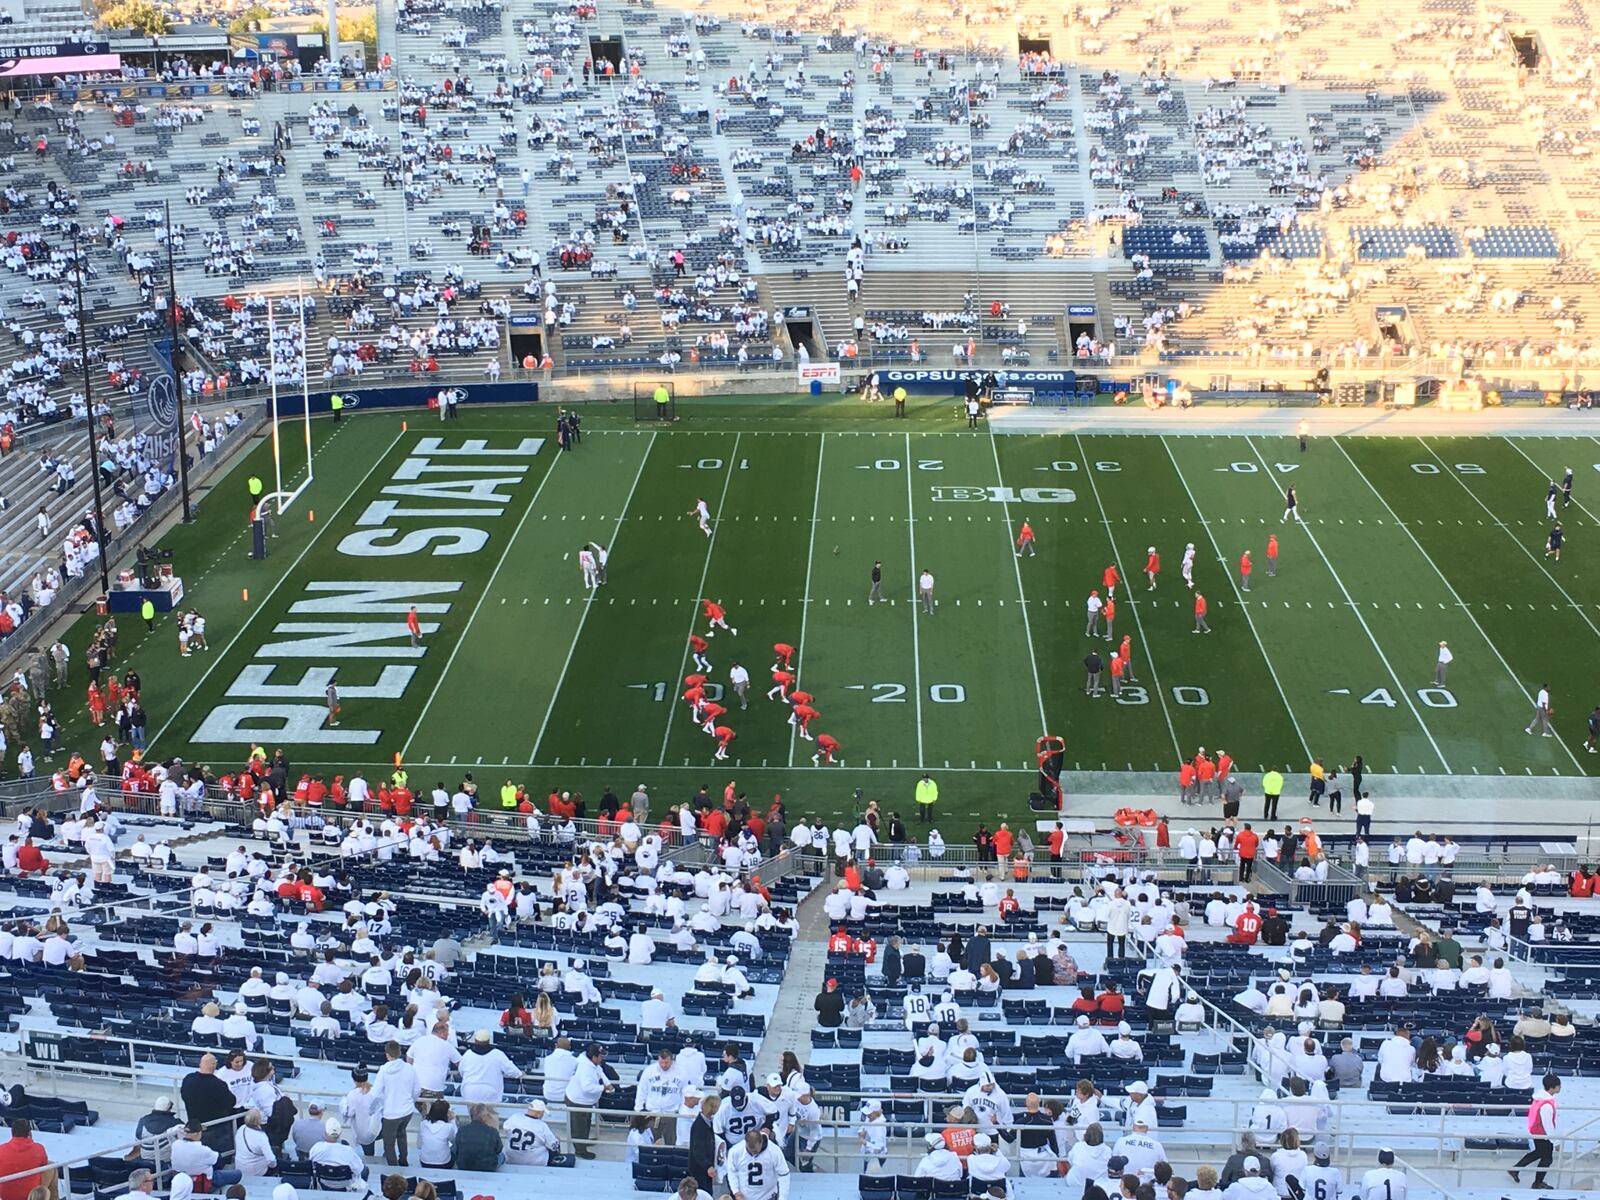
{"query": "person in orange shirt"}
{"type": "Point", "coordinates": [710, 711]}
{"type": "Point", "coordinates": [1245, 846]}
{"type": "Point", "coordinates": [1003, 839]}
{"type": "Point", "coordinates": [414, 626]}
{"type": "Point", "coordinates": [1152, 567]}
{"type": "Point", "coordinates": [1186, 782]}
{"type": "Point", "coordinates": [694, 696]}
{"type": "Point", "coordinates": [1205, 774]}
{"type": "Point", "coordinates": [724, 736]}
{"type": "Point", "coordinates": [785, 653]}
{"type": "Point", "coordinates": [1058, 847]}
{"type": "Point", "coordinates": [781, 683]}
{"type": "Point", "coordinates": [802, 716]}
{"type": "Point", "coordinates": [1109, 612]}
{"type": "Point", "coordinates": [1025, 540]}
{"type": "Point", "coordinates": [698, 647]}
{"type": "Point", "coordinates": [1224, 767]}
{"type": "Point", "coordinates": [1200, 625]}
{"type": "Point", "coordinates": [1118, 669]}
{"type": "Point", "coordinates": [1244, 571]}
{"type": "Point", "coordinates": [1125, 652]}
{"type": "Point", "coordinates": [827, 746]}
{"type": "Point", "coordinates": [716, 617]}
{"type": "Point", "coordinates": [1272, 555]}
{"type": "Point", "coordinates": [1109, 580]}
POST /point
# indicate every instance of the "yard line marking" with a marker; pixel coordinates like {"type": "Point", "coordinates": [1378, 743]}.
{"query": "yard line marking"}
{"type": "Point", "coordinates": [1016, 566]}
{"type": "Point", "coordinates": [466, 630]}
{"type": "Point", "coordinates": [1133, 607]}
{"type": "Point", "coordinates": [694, 605]}
{"type": "Point", "coordinates": [1234, 583]}
{"type": "Point", "coordinates": [616, 531]}
{"type": "Point", "coordinates": [262, 607]}
{"type": "Point", "coordinates": [1356, 609]}
{"type": "Point", "coordinates": [916, 606]}
{"type": "Point", "coordinates": [811, 550]}
{"type": "Point", "coordinates": [1454, 595]}
{"type": "Point", "coordinates": [1536, 562]}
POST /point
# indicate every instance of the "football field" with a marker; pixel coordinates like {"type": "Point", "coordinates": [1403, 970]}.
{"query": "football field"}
{"type": "Point", "coordinates": [523, 673]}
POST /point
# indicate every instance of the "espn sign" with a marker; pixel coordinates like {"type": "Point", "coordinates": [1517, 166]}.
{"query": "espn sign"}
{"type": "Point", "coordinates": [825, 372]}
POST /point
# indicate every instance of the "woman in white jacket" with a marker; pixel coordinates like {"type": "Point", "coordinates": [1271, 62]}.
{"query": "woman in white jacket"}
{"type": "Point", "coordinates": [252, 1152]}
{"type": "Point", "coordinates": [1087, 1159]}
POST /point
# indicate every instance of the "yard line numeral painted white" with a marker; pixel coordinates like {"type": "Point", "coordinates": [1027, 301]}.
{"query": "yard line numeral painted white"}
{"type": "Point", "coordinates": [805, 608]}
{"type": "Point", "coordinates": [577, 636]}
{"type": "Point", "coordinates": [1356, 609]}
{"type": "Point", "coordinates": [1454, 595]}
{"type": "Point", "coordinates": [1243, 607]}
{"type": "Point", "coordinates": [267, 599]}
{"type": "Point", "coordinates": [916, 600]}
{"type": "Point", "coordinates": [1133, 605]}
{"type": "Point", "coordinates": [1016, 566]}
{"type": "Point", "coordinates": [700, 591]}
{"type": "Point", "coordinates": [478, 607]}
{"type": "Point", "coordinates": [1578, 608]}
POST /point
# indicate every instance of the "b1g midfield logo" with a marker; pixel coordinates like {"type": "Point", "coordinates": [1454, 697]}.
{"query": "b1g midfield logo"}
{"type": "Point", "coordinates": [1007, 495]}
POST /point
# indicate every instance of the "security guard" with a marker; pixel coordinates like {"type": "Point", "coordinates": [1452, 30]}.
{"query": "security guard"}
{"type": "Point", "coordinates": [508, 796]}
{"type": "Point", "coordinates": [899, 402]}
{"type": "Point", "coordinates": [663, 399]}
{"type": "Point", "coordinates": [927, 797]}
{"type": "Point", "coordinates": [147, 610]}
{"type": "Point", "coordinates": [337, 404]}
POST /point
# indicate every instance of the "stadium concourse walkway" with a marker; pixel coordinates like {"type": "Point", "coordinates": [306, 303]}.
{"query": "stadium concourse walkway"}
{"type": "Point", "coordinates": [1467, 803]}
{"type": "Point", "coordinates": [1218, 418]}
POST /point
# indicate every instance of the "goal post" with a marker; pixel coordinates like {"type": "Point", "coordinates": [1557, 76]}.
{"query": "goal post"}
{"type": "Point", "coordinates": [655, 400]}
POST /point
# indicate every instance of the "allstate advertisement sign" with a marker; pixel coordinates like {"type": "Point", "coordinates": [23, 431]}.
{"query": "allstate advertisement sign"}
{"type": "Point", "coordinates": [953, 382]}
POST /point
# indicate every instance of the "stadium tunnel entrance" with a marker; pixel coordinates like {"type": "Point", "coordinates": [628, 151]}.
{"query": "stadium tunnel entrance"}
{"type": "Point", "coordinates": [607, 49]}
{"type": "Point", "coordinates": [801, 327]}
{"type": "Point", "coordinates": [526, 342]}
{"type": "Point", "coordinates": [1032, 45]}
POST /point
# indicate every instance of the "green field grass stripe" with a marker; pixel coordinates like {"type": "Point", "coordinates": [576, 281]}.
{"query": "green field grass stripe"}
{"type": "Point", "coordinates": [1016, 568]}
{"type": "Point", "coordinates": [699, 593]}
{"type": "Point", "coordinates": [266, 600]}
{"type": "Point", "coordinates": [583, 619]}
{"type": "Point", "coordinates": [916, 607]}
{"type": "Point", "coordinates": [488, 587]}
{"type": "Point", "coordinates": [807, 597]}
{"type": "Point", "coordinates": [1239, 598]}
{"type": "Point", "coordinates": [1361, 619]}
{"type": "Point", "coordinates": [1128, 575]}
{"type": "Point", "coordinates": [1455, 596]}
{"type": "Point", "coordinates": [1538, 562]}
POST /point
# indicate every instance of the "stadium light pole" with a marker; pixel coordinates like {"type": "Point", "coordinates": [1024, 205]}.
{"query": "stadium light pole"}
{"type": "Point", "coordinates": [88, 408]}
{"type": "Point", "coordinates": [177, 375]}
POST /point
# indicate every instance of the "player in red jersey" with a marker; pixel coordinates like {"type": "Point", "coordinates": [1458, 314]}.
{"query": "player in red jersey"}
{"type": "Point", "coordinates": [724, 735]}
{"type": "Point", "coordinates": [695, 680]}
{"type": "Point", "coordinates": [1245, 567]}
{"type": "Point", "coordinates": [785, 653]}
{"type": "Point", "coordinates": [799, 697]}
{"type": "Point", "coordinates": [802, 716]}
{"type": "Point", "coordinates": [698, 645]}
{"type": "Point", "coordinates": [782, 681]}
{"type": "Point", "coordinates": [1125, 652]}
{"type": "Point", "coordinates": [827, 747]}
{"type": "Point", "coordinates": [695, 697]}
{"type": "Point", "coordinates": [1110, 579]}
{"type": "Point", "coordinates": [716, 616]}
{"type": "Point", "coordinates": [1152, 567]}
{"type": "Point", "coordinates": [709, 712]}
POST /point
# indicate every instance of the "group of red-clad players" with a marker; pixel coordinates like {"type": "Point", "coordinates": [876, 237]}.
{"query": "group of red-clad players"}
{"type": "Point", "coordinates": [707, 713]}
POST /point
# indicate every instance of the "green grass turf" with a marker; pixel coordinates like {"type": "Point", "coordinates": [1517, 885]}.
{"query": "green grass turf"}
{"type": "Point", "coordinates": [1406, 542]}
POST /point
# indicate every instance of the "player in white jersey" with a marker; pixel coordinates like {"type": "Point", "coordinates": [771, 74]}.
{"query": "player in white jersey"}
{"type": "Point", "coordinates": [702, 514]}
{"type": "Point", "coordinates": [1385, 1181]}
{"type": "Point", "coordinates": [1550, 501]}
{"type": "Point", "coordinates": [757, 1169]}
{"type": "Point", "coordinates": [1188, 564]}
{"type": "Point", "coordinates": [589, 567]}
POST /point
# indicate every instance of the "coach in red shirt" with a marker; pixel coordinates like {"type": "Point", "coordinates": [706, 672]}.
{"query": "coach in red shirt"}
{"type": "Point", "coordinates": [1246, 845]}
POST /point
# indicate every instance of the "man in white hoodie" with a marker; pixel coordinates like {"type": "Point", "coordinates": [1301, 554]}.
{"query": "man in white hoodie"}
{"type": "Point", "coordinates": [397, 1089]}
{"type": "Point", "coordinates": [484, 1070]}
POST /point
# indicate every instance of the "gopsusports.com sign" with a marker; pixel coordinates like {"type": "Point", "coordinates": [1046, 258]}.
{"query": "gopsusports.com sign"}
{"type": "Point", "coordinates": [953, 383]}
